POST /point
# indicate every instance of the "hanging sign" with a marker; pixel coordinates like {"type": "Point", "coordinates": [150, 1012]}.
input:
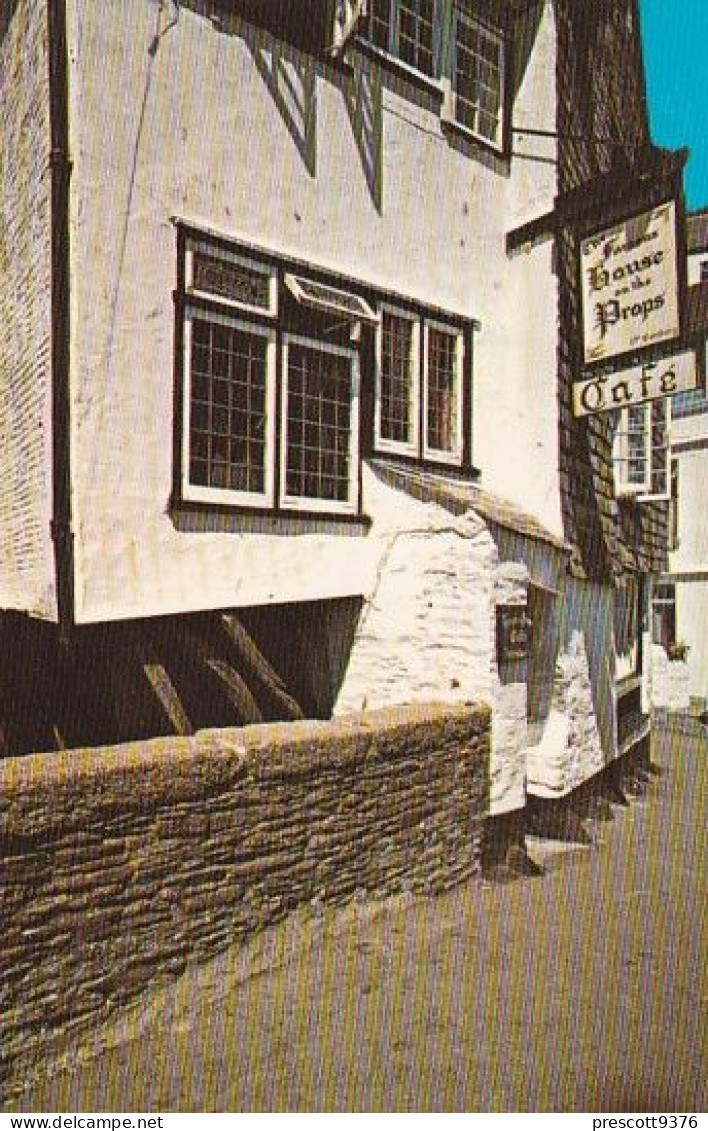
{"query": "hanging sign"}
{"type": "Point", "coordinates": [649, 382]}
{"type": "Point", "coordinates": [629, 285]}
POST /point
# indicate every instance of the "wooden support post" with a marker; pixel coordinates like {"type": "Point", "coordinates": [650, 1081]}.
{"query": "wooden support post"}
{"type": "Point", "coordinates": [249, 659]}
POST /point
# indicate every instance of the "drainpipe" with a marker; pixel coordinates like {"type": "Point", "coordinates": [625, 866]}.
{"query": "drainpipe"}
{"type": "Point", "coordinates": [61, 529]}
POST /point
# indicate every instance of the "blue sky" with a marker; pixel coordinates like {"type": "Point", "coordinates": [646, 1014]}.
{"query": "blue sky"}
{"type": "Point", "coordinates": [675, 34]}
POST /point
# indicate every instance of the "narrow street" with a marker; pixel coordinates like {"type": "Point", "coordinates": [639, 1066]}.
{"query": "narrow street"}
{"type": "Point", "coordinates": [581, 990]}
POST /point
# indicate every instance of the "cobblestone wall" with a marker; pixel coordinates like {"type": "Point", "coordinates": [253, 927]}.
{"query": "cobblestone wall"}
{"type": "Point", "coordinates": [119, 866]}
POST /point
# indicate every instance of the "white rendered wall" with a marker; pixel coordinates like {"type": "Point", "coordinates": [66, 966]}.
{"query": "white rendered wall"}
{"type": "Point", "coordinates": [427, 629]}
{"type": "Point", "coordinates": [26, 551]}
{"type": "Point", "coordinates": [193, 128]}
{"type": "Point", "coordinates": [579, 736]}
{"type": "Point", "coordinates": [688, 562]}
{"type": "Point", "coordinates": [692, 629]}
{"type": "Point", "coordinates": [691, 553]}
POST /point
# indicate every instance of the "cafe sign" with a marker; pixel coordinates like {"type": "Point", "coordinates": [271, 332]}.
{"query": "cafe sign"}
{"type": "Point", "coordinates": [648, 382]}
{"type": "Point", "coordinates": [629, 285]}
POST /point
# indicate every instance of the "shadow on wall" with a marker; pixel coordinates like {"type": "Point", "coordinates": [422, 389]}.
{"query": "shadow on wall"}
{"type": "Point", "coordinates": [291, 75]}
{"type": "Point", "coordinates": [291, 79]}
{"type": "Point", "coordinates": [363, 100]}
{"type": "Point", "coordinates": [290, 67]}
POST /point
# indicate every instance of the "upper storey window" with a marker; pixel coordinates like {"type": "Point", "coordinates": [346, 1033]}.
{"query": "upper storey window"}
{"type": "Point", "coordinates": [420, 387]}
{"type": "Point", "coordinates": [446, 41]}
{"type": "Point", "coordinates": [477, 77]}
{"type": "Point", "coordinates": [406, 29]}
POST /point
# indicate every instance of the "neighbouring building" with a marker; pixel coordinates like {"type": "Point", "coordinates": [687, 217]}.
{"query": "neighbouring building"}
{"type": "Point", "coordinates": [680, 614]}
{"type": "Point", "coordinates": [291, 313]}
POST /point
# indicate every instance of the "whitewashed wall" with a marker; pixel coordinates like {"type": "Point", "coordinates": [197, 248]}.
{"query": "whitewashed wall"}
{"type": "Point", "coordinates": [692, 629]}
{"type": "Point", "coordinates": [193, 129]}
{"type": "Point", "coordinates": [688, 562]}
{"type": "Point", "coordinates": [26, 552]}
{"type": "Point", "coordinates": [579, 736]}
{"type": "Point", "coordinates": [428, 626]}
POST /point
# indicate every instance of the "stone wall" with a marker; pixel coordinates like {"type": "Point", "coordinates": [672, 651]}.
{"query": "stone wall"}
{"type": "Point", "coordinates": [118, 866]}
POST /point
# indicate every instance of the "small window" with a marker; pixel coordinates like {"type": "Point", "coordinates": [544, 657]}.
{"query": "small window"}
{"type": "Point", "coordinates": [442, 383]}
{"type": "Point", "coordinates": [233, 279]}
{"type": "Point", "coordinates": [642, 452]}
{"type": "Point", "coordinates": [664, 614]}
{"type": "Point", "coordinates": [320, 450]}
{"type": "Point", "coordinates": [398, 381]}
{"type": "Point", "coordinates": [477, 78]}
{"type": "Point", "coordinates": [405, 29]}
{"type": "Point", "coordinates": [230, 398]}
{"type": "Point", "coordinates": [693, 402]}
{"type": "Point", "coordinates": [419, 400]}
{"type": "Point", "coordinates": [703, 271]}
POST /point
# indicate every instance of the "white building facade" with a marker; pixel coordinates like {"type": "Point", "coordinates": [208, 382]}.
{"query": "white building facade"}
{"type": "Point", "coordinates": [297, 348]}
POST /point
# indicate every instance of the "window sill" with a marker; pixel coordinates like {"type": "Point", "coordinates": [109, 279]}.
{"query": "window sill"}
{"type": "Point", "coordinates": [403, 70]}
{"type": "Point", "coordinates": [291, 515]}
{"type": "Point", "coordinates": [454, 129]}
{"type": "Point", "coordinates": [464, 472]}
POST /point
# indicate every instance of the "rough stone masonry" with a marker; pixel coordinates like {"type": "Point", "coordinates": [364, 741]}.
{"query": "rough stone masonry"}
{"type": "Point", "coordinates": [119, 866]}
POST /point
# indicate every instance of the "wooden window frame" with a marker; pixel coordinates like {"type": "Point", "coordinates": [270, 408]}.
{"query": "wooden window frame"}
{"type": "Point", "coordinates": [384, 443]}
{"type": "Point", "coordinates": [450, 107]}
{"type": "Point", "coordinates": [198, 493]}
{"type": "Point", "coordinates": [217, 251]}
{"type": "Point", "coordinates": [314, 503]}
{"type": "Point", "coordinates": [391, 52]}
{"type": "Point", "coordinates": [278, 325]}
{"type": "Point", "coordinates": [435, 455]}
{"type": "Point", "coordinates": [622, 457]}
